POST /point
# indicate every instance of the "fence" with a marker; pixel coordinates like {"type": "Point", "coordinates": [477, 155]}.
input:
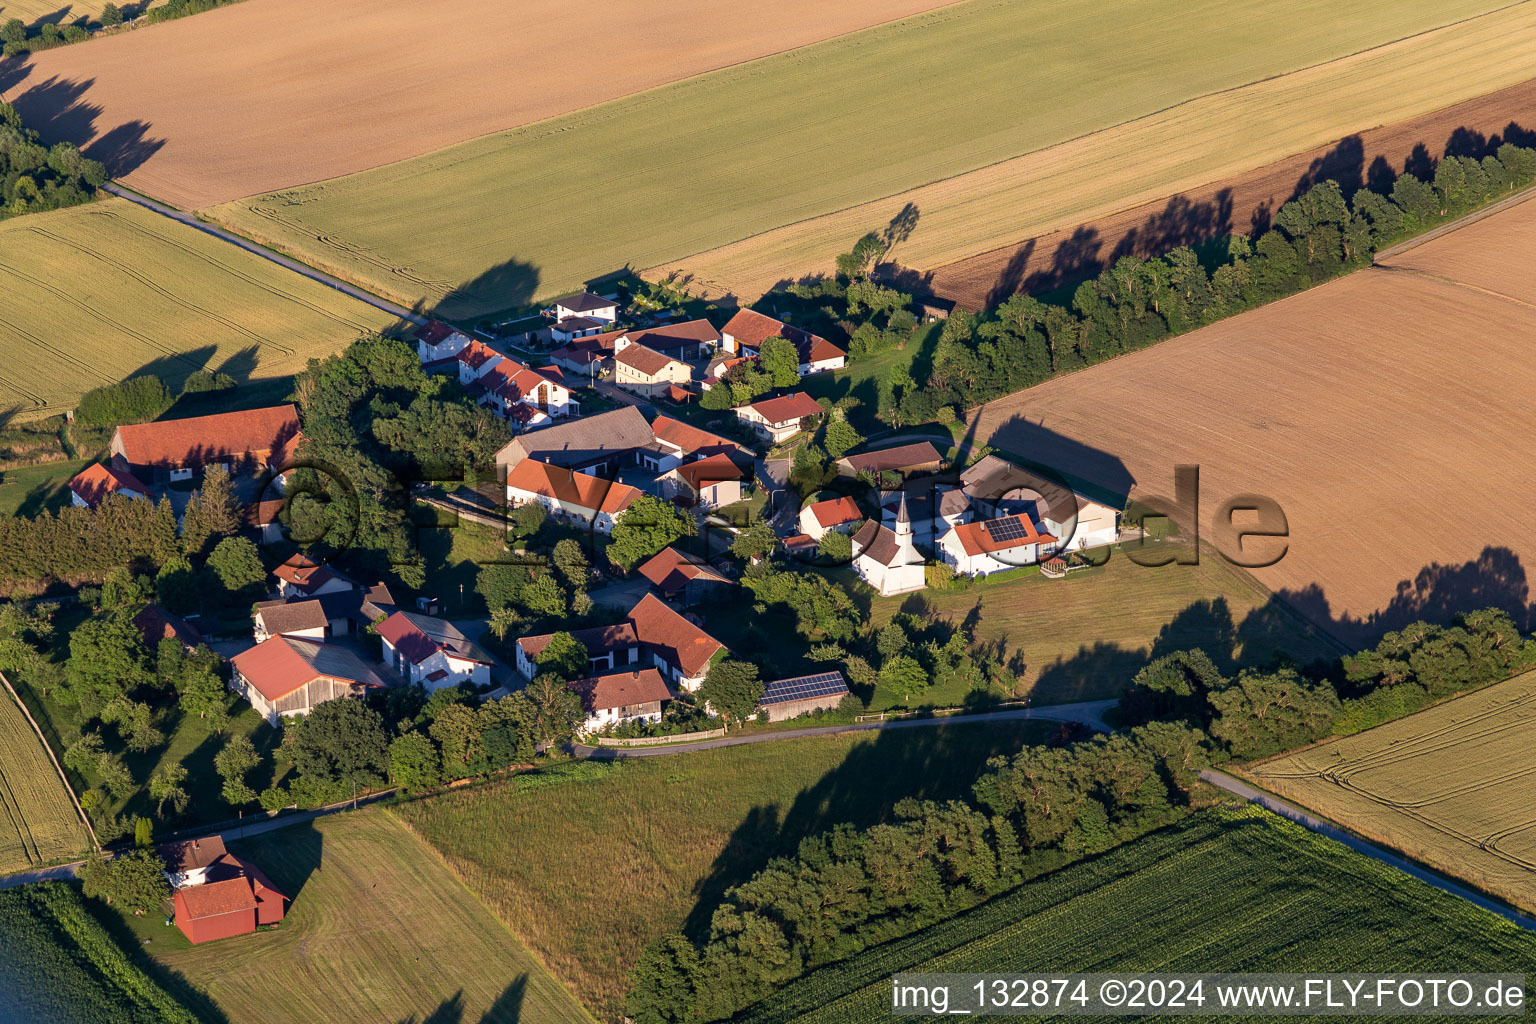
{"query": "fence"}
{"type": "Point", "coordinates": [882, 716]}
{"type": "Point", "coordinates": [651, 741]}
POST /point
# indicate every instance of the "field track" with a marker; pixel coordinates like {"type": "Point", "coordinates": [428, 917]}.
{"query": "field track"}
{"type": "Point", "coordinates": [1351, 405]}
{"type": "Point", "coordinates": [1235, 205]}
{"type": "Point", "coordinates": [269, 94]}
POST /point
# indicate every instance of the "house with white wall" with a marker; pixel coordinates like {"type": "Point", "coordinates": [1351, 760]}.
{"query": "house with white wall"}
{"type": "Point", "coordinates": [609, 648]}
{"type": "Point", "coordinates": [822, 517]}
{"type": "Point", "coordinates": [431, 652]}
{"type": "Point", "coordinates": [644, 371]}
{"type": "Point", "coordinates": [304, 618]}
{"type": "Point", "coordinates": [886, 558]}
{"type": "Point", "coordinates": [524, 396]}
{"type": "Point", "coordinates": [996, 487]}
{"type": "Point", "coordinates": [677, 646]}
{"type": "Point", "coordinates": [619, 697]}
{"type": "Point", "coordinates": [92, 485]}
{"type": "Point", "coordinates": [585, 304]}
{"type": "Point", "coordinates": [574, 497]}
{"type": "Point", "coordinates": [995, 545]}
{"type": "Point", "coordinates": [744, 334]}
{"type": "Point", "coordinates": [302, 576]}
{"type": "Point", "coordinates": [436, 340]}
{"type": "Point", "coordinates": [778, 419]}
{"type": "Point", "coordinates": [708, 483]}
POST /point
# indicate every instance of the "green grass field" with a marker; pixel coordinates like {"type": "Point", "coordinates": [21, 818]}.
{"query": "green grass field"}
{"type": "Point", "coordinates": [1224, 891]}
{"type": "Point", "coordinates": [378, 930]}
{"type": "Point", "coordinates": [587, 872]}
{"type": "Point", "coordinates": [526, 214]}
{"type": "Point", "coordinates": [38, 821]}
{"type": "Point", "coordinates": [28, 490]}
{"type": "Point", "coordinates": [100, 292]}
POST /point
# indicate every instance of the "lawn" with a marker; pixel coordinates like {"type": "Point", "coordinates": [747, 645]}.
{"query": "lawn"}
{"type": "Point", "coordinates": [378, 930]}
{"type": "Point", "coordinates": [856, 113]}
{"type": "Point", "coordinates": [586, 873]}
{"type": "Point", "coordinates": [866, 376]}
{"type": "Point", "coordinates": [28, 490]}
{"type": "Point", "coordinates": [1450, 786]}
{"type": "Point", "coordinates": [101, 292]}
{"type": "Point", "coordinates": [1085, 636]}
{"type": "Point", "coordinates": [38, 821]}
{"type": "Point", "coordinates": [1224, 891]}
{"type": "Point", "coordinates": [455, 552]}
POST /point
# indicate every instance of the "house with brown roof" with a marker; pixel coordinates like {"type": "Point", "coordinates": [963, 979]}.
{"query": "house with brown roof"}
{"type": "Point", "coordinates": [246, 441]}
{"type": "Point", "coordinates": [436, 340]}
{"type": "Point", "coordinates": [431, 652]}
{"type": "Point", "coordinates": [689, 340]}
{"type": "Point", "coordinates": [302, 576]}
{"type": "Point", "coordinates": [678, 646]}
{"type": "Point", "coordinates": [585, 304]}
{"type": "Point", "coordinates": [525, 397]}
{"type": "Point", "coordinates": [708, 483]}
{"type": "Point", "coordinates": [93, 484]}
{"type": "Point", "coordinates": [778, 419]}
{"type": "Point", "coordinates": [680, 575]}
{"type": "Point", "coordinates": [608, 648]}
{"type": "Point", "coordinates": [919, 457]}
{"type": "Point", "coordinates": [822, 517]}
{"type": "Point", "coordinates": [155, 624]}
{"type": "Point", "coordinates": [645, 371]}
{"type": "Point", "coordinates": [288, 675]}
{"type": "Point", "coordinates": [996, 487]}
{"type": "Point", "coordinates": [574, 497]}
{"type": "Point", "coordinates": [607, 440]}
{"type": "Point", "coordinates": [745, 333]}
{"type": "Point", "coordinates": [676, 442]}
{"type": "Point", "coordinates": [187, 862]}
{"type": "Point", "coordinates": [217, 894]}
{"type": "Point", "coordinates": [995, 545]}
{"type": "Point", "coordinates": [304, 618]}
{"type": "Point", "coordinates": [619, 697]}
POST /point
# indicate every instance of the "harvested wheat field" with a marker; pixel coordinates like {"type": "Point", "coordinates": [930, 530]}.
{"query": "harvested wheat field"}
{"type": "Point", "coordinates": [100, 292]}
{"type": "Point", "coordinates": [1108, 169]}
{"type": "Point", "coordinates": [1388, 413]}
{"type": "Point", "coordinates": [38, 821]}
{"type": "Point", "coordinates": [1492, 255]}
{"type": "Point", "coordinates": [64, 12]}
{"type": "Point", "coordinates": [682, 169]}
{"type": "Point", "coordinates": [1451, 786]}
{"type": "Point", "coordinates": [269, 94]}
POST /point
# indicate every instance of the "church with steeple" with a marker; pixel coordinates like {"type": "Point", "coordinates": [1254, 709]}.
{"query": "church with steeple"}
{"type": "Point", "coordinates": [886, 558]}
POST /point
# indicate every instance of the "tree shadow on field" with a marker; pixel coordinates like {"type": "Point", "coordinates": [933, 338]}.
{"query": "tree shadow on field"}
{"type": "Point", "coordinates": [507, 1009]}
{"type": "Point", "coordinates": [58, 111]}
{"type": "Point", "coordinates": [509, 285]}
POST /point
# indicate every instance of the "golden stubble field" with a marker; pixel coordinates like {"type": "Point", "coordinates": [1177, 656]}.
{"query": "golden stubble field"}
{"type": "Point", "coordinates": [1388, 412]}
{"type": "Point", "coordinates": [1451, 786]}
{"type": "Point", "coordinates": [38, 821]}
{"type": "Point", "coordinates": [269, 94]}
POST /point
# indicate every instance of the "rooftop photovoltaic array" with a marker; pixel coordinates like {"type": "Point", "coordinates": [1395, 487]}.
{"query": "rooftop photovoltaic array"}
{"type": "Point", "coordinates": [1006, 529]}
{"type": "Point", "coordinates": [824, 684]}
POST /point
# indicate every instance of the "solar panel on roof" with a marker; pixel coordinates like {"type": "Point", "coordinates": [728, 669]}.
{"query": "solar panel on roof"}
{"type": "Point", "coordinates": [1006, 529]}
{"type": "Point", "coordinates": [825, 684]}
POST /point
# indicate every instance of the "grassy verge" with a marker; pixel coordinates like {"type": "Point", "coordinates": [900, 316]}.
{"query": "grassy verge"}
{"type": "Point", "coordinates": [28, 490]}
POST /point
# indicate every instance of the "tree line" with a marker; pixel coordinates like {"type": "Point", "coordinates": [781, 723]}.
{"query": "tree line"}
{"type": "Point", "coordinates": [846, 890]}
{"type": "Point", "coordinates": [34, 177]}
{"type": "Point", "coordinates": [1139, 302]}
{"type": "Point", "coordinates": [17, 40]}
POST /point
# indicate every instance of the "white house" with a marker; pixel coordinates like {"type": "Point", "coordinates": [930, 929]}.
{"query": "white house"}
{"type": "Point", "coordinates": [675, 442]}
{"type": "Point", "coordinates": [678, 646]}
{"type": "Point", "coordinates": [778, 419]}
{"type": "Point", "coordinates": [708, 483]}
{"type": "Point", "coordinates": [305, 618]}
{"type": "Point", "coordinates": [475, 360]}
{"type": "Point", "coordinates": [303, 577]}
{"type": "Point", "coordinates": [644, 371]}
{"type": "Point", "coordinates": [525, 396]}
{"type": "Point", "coordinates": [90, 487]}
{"type": "Point", "coordinates": [745, 333]}
{"type": "Point", "coordinates": [995, 545]}
{"type": "Point", "coordinates": [609, 648]}
{"type": "Point", "coordinates": [436, 340]}
{"type": "Point", "coordinates": [289, 675]}
{"type": "Point", "coordinates": [822, 517]}
{"type": "Point", "coordinates": [431, 652]}
{"type": "Point", "coordinates": [885, 557]}
{"type": "Point", "coordinates": [997, 487]}
{"type": "Point", "coordinates": [576, 497]}
{"type": "Point", "coordinates": [619, 697]}
{"type": "Point", "coordinates": [586, 304]}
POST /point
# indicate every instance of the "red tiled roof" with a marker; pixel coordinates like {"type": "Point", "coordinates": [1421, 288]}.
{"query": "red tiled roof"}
{"type": "Point", "coordinates": [671, 570]}
{"type": "Point", "coordinates": [595, 639]}
{"type": "Point", "coordinates": [95, 482]}
{"type": "Point", "coordinates": [799, 540]}
{"type": "Point", "coordinates": [621, 689]}
{"type": "Point", "coordinates": [836, 511]}
{"type": "Point", "coordinates": [677, 640]}
{"type": "Point", "coordinates": [214, 899]}
{"type": "Point", "coordinates": [476, 354]}
{"type": "Point", "coordinates": [713, 470]}
{"type": "Point", "coordinates": [433, 332]}
{"type": "Point", "coordinates": [270, 433]}
{"type": "Point", "coordinates": [280, 665]}
{"type": "Point", "coordinates": [305, 574]}
{"type": "Point", "coordinates": [683, 335]}
{"type": "Point", "coordinates": [156, 624]}
{"type": "Point", "coordinates": [406, 638]}
{"type": "Point", "coordinates": [813, 349]}
{"type": "Point", "coordinates": [582, 489]}
{"type": "Point", "coordinates": [977, 538]}
{"type": "Point", "coordinates": [644, 360]}
{"type": "Point", "coordinates": [190, 854]}
{"type": "Point", "coordinates": [904, 456]}
{"type": "Point", "coordinates": [786, 407]}
{"type": "Point", "coordinates": [751, 328]}
{"type": "Point", "coordinates": [690, 439]}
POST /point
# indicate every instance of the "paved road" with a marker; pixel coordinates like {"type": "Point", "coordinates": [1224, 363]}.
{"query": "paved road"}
{"type": "Point", "coordinates": [1089, 713]}
{"type": "Point", "coordinates": [266, 254]}
{"type": "Point", "coordinates": [1274, 804]}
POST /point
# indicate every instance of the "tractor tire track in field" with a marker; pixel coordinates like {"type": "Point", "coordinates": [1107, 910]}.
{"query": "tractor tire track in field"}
{"type": "Point", "coordinates": [328, 280]}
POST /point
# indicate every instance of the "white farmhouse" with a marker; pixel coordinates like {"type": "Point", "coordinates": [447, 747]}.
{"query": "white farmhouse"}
{"type": "Point", "coordinates": [822, 517]}
{"type": "Point", "coordinates": [436, 340]}
{"type": "Point", "coordinates": [995, 545]}
{"type": "Point", "coordinates": [431, 652]}
{"type": "Point", "coordinates": [997, 487]}
{"type": "Point", "coordinates": [573, 497]}
{"type": "Point", "coordinates": [621, 697]}
{"type": "Point", "coordinates": [778, 419]}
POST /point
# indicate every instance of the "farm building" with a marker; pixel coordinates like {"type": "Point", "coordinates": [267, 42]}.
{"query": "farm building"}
{"type": "Point", "coordinates": [588, 357]}
{"type": "Point", "coordinates": [690, 340]}
{"type": "Point", "coordinates": [563, 332]}
{"type": "Point", "coordinates": [431, 652]}
{"type": "Point", "coordinates": [818, 518]}
{"type": "Point", "coordinates": [622, 697]}
{"type": "Point", "coordinates": [608, 648]}
{"type": "Point", "coordinates": [885, 557]}
{"type": "Point", "coordinates": [995, 545]}
{"type": "Point", "coordinates": [708, 483]}
{"type": "Point", "coordinates": [744, 334]}
{"type": "Point", "coordinates": [778, 419]}
{"type": "Point", "coordinates": [996, 487]}
{"type": "Point", "coordinates": [218, 895]}
{"type": "Point", "coordinates": [606, 440]}
{"type": "Point", "coordinates": [680, 575]}
{"type": "Point", "coordinates": [676, 442]}
{"type": "Point", "coordinates": [305, 618]}
{"type": "Point", "coordinates": [246, 441]}
{"type": "Point", "coordinates": [921, 457]}
{"type": "Point", "coordinates": [351, 611]}
{"type": "Point", "coordinates": [91, 486]}
{"type": "Point", "coordinates": [573, 497]}
{"type": "Point", "coordinates": [791, 698]}
{"type": "Point", "coordinates": [646, 371]}
{"type": "Point", "coordinates": [302, 576]}
{"type": "Point", "coordinates": [154, 624]}
{"type": "Point", "coordinates": [678, 646]}
{"type": "Point", "coordinates": [286, 675]}
{"type": "Point", "coordinates": [436, 340]}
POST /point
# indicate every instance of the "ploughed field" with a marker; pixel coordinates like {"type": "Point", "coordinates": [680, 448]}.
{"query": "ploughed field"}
{"type": "Point", "coordinates": [1238, 891]}
{"type": "Point", "coordinates": [654, 177]}
{"type": "Point", "coordinates": [1451, 786]}
{"type": "Point", "coordinates": [97, 293]}
{"type": "Point", "coordinates": [1383, 411]}
{"type": "Point", "coordinates": [38, 821]}
{"type": "Point", "coordinates": [261, 96]}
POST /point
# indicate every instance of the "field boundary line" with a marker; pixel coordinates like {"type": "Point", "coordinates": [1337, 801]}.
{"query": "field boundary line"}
{"type": "Point", "coordinates": [56, 766]}
{"type": "Point", "coordinates": [1088, 135]}
{"type": "Point", "coordinates": [1465, 220]}
{"type": "Point", "coordinates": [1376, 851]}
